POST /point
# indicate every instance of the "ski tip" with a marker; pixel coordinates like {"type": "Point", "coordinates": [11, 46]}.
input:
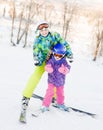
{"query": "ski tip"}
{"type": "Point", "coordinates": [34, 115]}
{"type": "Point", "coordinates": [95, 116]}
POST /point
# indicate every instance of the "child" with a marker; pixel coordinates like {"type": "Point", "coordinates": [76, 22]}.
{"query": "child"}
{"type": "Point", "coordinates": [57, 67]}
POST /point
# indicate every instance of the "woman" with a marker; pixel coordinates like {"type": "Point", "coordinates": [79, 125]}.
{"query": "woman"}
{"type": "Point", "coordinates": [42, 47]}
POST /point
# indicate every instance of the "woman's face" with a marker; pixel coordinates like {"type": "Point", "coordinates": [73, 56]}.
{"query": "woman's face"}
{"type": "Point", "coordinates": [44, 32]}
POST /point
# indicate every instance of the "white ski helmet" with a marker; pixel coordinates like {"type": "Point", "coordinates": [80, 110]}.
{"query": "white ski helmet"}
{"type": "Point", "coordinates": [41, 23]}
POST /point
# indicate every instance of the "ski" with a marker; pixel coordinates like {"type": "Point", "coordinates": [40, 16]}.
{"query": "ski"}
{"type": "Point", "coordinates": [70, 108]}
{"type": "Point", "coordinates": [37, 113]}
{"type": "Point", "coordinates": [37, 96]}
{"type": "Point", "coordinates": [76, 110]}
{"type": "Point", "coordinates": [84, 112]}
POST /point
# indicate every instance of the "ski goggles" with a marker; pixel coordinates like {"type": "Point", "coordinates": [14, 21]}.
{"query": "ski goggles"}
{"type": "Point", "coordinates": [58, 55]}
{"type": "Point", "coordinates": [41, 26]}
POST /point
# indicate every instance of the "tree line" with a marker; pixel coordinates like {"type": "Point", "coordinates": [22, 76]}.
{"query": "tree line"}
{"type": "Point", "coordinates": [31, 11]}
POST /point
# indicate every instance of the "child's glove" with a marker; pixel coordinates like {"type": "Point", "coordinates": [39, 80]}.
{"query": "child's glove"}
{"type": "Point", "coordinates": [64, 70]}
{"type": "Point", "coordinates": [48, 68]}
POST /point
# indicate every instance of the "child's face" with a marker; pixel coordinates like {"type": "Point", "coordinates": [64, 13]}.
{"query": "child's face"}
{"type": "Point", "coordinates": [57, 56]}
{"type": "Point", "coordinates": [44, 32]}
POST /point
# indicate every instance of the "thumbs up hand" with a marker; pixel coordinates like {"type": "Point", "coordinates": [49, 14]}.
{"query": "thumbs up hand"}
{"type": "Point", "coordinates": [49, 68]}
{"type": "Point", "coordinates": [64, 70]}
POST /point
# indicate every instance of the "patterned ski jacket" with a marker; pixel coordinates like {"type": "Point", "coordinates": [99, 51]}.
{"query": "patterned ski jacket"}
{"type": "Point", "coordinates": [57, 78]}
{"type": "Point", "coordinates": [43, 45]}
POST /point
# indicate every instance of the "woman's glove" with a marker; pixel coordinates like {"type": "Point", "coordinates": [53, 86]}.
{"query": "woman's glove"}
{"type": "Point", "coordinates": [48, 68]}
{"type": "Point", "coordinates": [64, 70]}
{"type": "Point", "coordinates": [37, 62]}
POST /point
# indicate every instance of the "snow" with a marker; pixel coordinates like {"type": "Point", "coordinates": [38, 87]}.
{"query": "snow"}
{"type": "Point", "coordinates": [83, 90]}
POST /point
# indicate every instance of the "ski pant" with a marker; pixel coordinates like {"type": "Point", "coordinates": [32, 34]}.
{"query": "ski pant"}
{"type": "Point", "coordinates": [50, 92]}
{"type": "Point", "coordinates": [33, 81]}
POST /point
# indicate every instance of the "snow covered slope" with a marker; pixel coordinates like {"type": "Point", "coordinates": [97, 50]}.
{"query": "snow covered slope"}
{"type": "Point", "coordinates": [83, 89]}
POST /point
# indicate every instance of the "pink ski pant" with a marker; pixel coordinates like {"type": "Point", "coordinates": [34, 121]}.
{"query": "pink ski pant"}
{"type": "Point", "coordinates": [50, 92]}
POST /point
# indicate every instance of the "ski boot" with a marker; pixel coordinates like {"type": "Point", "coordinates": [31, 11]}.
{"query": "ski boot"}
{"type": "Point", "coordinates": [25, 102]}
{"type": "Point", "coordinates": [44, 109]}
{"type": "Point", "coordinates": [53, 100]}
{"type": "Point", "coordinates": [62, 107]}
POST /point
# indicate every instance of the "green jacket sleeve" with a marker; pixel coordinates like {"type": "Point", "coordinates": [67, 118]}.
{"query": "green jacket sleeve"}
{"type": "Point", "coordinates": [37, 52]}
